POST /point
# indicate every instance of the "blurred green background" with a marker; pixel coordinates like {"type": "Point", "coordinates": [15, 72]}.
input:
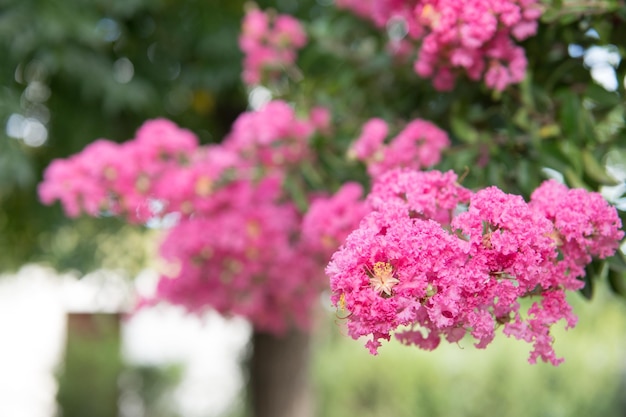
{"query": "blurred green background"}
{"type": "Point", "coordinates": [464, 381]}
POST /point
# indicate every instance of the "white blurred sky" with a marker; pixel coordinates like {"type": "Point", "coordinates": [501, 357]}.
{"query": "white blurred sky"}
{"type": "Point", "coordinates": [33, 304]}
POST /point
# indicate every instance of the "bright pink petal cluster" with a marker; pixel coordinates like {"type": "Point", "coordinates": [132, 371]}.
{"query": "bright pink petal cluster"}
{"type": "Point", "coordinates": [239, 259]}
{"type": "Point", "coordinates": [423, 194]}
{"type": "Point", "coordinates": [124, 179]}
{"type": "Point", "coordinates": [474, 37]}
{"type": "Point", "coordinates": [269, 43]}
{"type": "Point", "coordinates": [330, 219]}
{"type": "Point", "coordinates": [420, 269]}
{"type": "Point", "coordinates": [273, 137]}
{"type": "Point", "coordinates": [164, 170]}
{"type": "Point", "coordinates": [584, 225]}
{"type": "Point", "coordinates": [419, 145]}
{"type": "Point", "coordinates": [239, 245]}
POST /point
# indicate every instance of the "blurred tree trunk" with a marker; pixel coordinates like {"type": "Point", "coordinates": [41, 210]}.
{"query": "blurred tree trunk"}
{"type": "Point", "coordinates": [88, 383]}
{"type": "Point", "coordinates": [279, 375]}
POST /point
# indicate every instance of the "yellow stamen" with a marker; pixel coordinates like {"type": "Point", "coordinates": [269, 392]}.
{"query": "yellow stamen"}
{"type": "Point", "coordinates": [204, 186]}
{"type": "Point", "coordinates": [382, 279]}
{"type": "Point", "coordinates": [143, 183]}
{"type": "Point", "coordinates": [253, 228]}
{"type": "Point", "coordinates": [430, 14]}
{"type": "Point", "coordinates": [342, 301]}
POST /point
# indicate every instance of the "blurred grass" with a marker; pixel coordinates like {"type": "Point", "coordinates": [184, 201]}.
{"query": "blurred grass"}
{"type": "Point", "coordinates": [464, 381]}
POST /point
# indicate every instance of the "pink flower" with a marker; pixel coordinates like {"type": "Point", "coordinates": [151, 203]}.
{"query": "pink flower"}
{"type": "Point", "coordinates": [509, 239]}
{"type": "Point", "coordinates": [269, 45]}
{"type": "Point", "coordinates": [416, 257]}
{"type": "Point", "coordinates": [536, 330]}
{"type": "Point", "coordinates": [82, 182]}
{"type": "Point", "coordinates": [321, 119]}
{"type": "Point", "coordinates": [288, 31]}
{"type": "Point", "coordinates": [454, 37]}
{"type": "Point", "coordinates": [272, 137]}
{"type": "Point", "coordinates": [418, 145]}
{"type": "Point", "coordinates": [239, 260]}
{"type": "Point", "coordinates": [237, 245]}
{"type": "Point", "coordinates": [370, 142]}
{"type": "Point", "coordinates": [162, 139]}
{"type": "Point", "coordinates": [417, 269]}
{"type": "Point", "coordinates": [254, 27]}
{"type": "Point", "coordinates": [329, 220]}
{"type": "Point", "coordinates": [427, 195]}
{"type": "Point", "coordinates": [585, 223]}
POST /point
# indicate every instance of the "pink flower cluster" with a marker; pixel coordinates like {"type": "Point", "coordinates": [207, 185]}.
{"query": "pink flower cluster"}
{"type": "Point", "coordinates": [269, 43]}
{"type": "Point", "coordinates": [587, 226]}
{"type": "Point", "coordinates": [252, 258]}
{"type": "Point", "coordinates": [240, 246]}
{"type": "Point", "coordinates": [474, 37]}
{"type": "Point", "coordinates": [330, 219]}
{"type": "Point", "coordinates": [274, 137]}
{"type": "Point", "coordinates": [123, 179]}
{"type": "Point", "coordinates": [240, 259]}
{"type": "Point", "coordinates": [163, 169]}
{"type": "Point", "coordinates": [435, 260]}
{"type": "Point", "coordinates": [418, 145]}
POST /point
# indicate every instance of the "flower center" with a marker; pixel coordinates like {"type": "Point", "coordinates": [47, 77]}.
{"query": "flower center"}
{"type": "Point", "coordinates": [382, 279]}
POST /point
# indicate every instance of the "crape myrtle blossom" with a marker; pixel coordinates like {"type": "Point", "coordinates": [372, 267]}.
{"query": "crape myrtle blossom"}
{"type": "Point", "coordinates": [165, 163]}
{"type": "Point", "coordinates": [269, 43]}
{"type": "Point", "coordinates": [420, 269]}
{"type": "Point", "coordinates": [122, 179]}
{"type": "Point", "coordinates": [240, 259]}
{"type": "Point", "coordinates": [585, 226]}
{"type": "Point", "coordinates": [330, 219]}
{"type": "Point", "coordinates": [418, 145]}
{"type": "Point", "coordinates": [273, 136]}
{"type": "Point", "coordinates": [425, 194]}
{"type": "Point", "coordinates": [240, 246]}
{"type": "Point", "coordinates": [250, 258]}
{"type": "Point", "coordinates": [474, 37]}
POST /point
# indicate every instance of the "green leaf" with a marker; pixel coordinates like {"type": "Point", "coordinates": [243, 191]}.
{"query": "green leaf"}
{"type": "Point", "coordinates": [570, 116]}
{"type": "Point", "coordinates": [602, 98]}
{"type": "Point", "coordinates": [617, 262]}
{"type": "Point", "coordinates": [617, 282]}
{"type": "Point", "coordinates": [296, 191]}
{"type": "Point", "coordinates": [574, 180]}
{"type": "Point", "coordinates": [464, 131]}
{"type": "Point", "coordinates": [521, 118]}
{"type": "Point", "coordinates": [594, 170]}
{"type": "Point", "coordinates": [615, 163]}
{"type": "Point", "coordinates": [587, 290]}
{"type": "Point", "coordinates": [592, 272]}
{"type": "Point", "coordinates": [612, 123]}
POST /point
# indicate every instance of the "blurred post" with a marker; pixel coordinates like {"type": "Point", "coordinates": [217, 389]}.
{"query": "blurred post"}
{"type": "Point", "coordinates": [279, 375]}
{"type": "Point", "coordinates": [88, 383]}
